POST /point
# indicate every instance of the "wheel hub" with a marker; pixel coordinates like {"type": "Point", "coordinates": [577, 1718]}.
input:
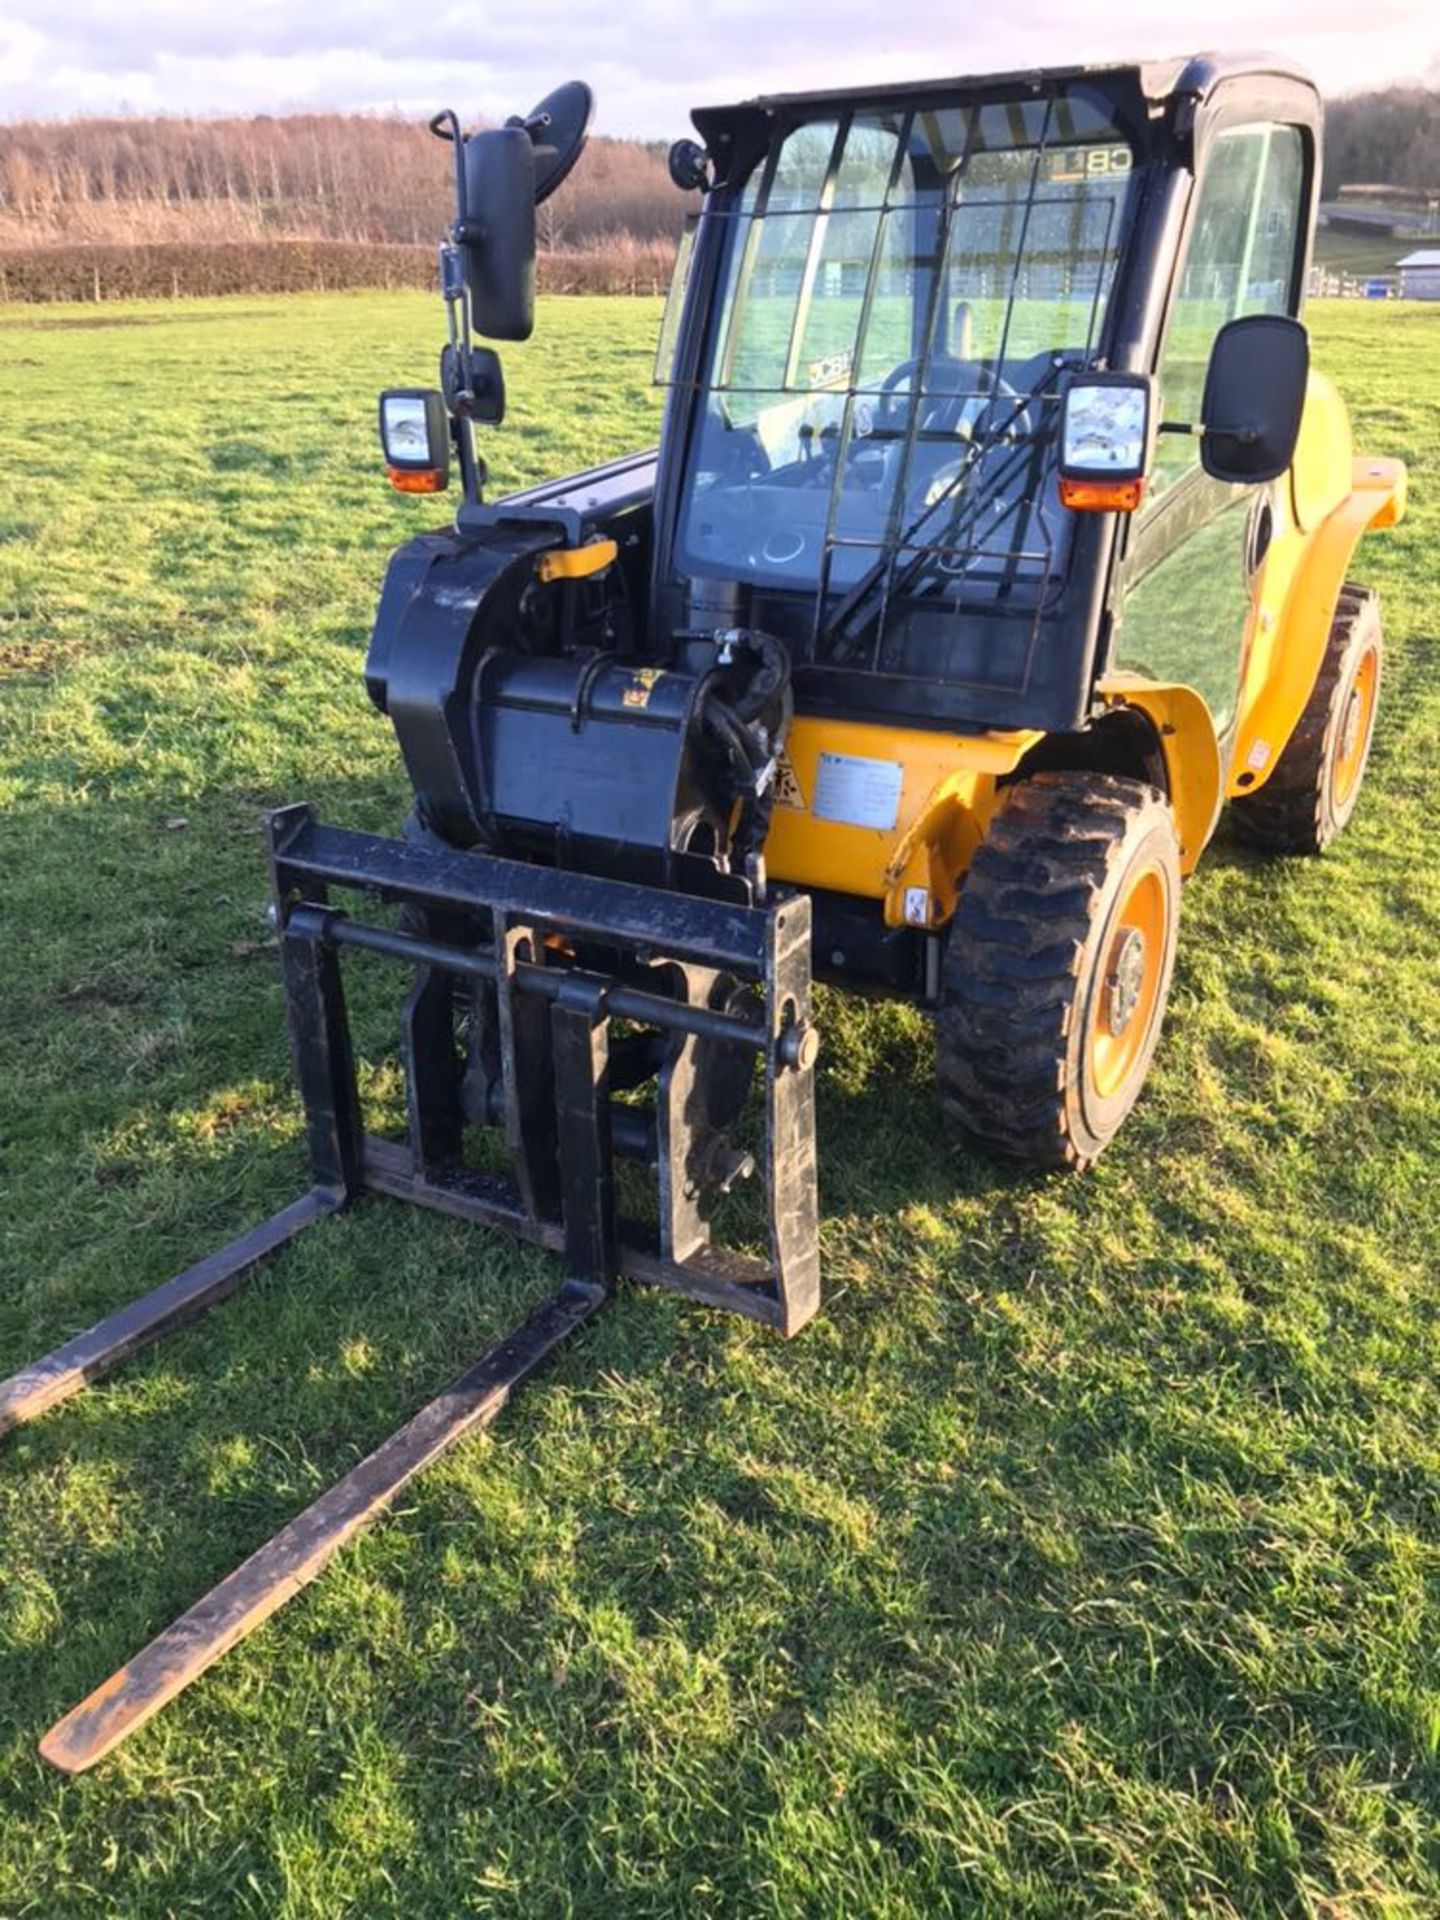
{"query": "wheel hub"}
{"type": "Point", "coordinates": [1350, 731]}
{"type": "Point", "coordinates": [1124, 979]}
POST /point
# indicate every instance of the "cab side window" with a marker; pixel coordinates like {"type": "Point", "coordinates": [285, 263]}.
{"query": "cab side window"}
{"type": "Point", "coordinates": [1241, 259]}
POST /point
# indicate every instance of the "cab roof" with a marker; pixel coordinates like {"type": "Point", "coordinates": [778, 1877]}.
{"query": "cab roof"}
{"type": "Point", "coordinates": [1194, 74]}
{"type": "Point", "coordinates": [1144, 96]}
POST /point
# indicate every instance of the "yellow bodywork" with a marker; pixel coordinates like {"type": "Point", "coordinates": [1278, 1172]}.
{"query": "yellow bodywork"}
{"type": "Point", "coordinates": [919, 801]}
{"type": "Point", "coordinates": [1193, 772]}
{"type": "Point", "coordinates": [1329, 499]}
{"type": "Point", "coordinates": [946, 794]}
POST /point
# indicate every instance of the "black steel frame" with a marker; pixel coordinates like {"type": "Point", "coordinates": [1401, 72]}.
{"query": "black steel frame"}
{"type": "Point", "coordinates": [554, 1036]}
{"type": "Point", "coordinates": [561, 1124]}
{"type": "Point", "coordinates": [731, 984]}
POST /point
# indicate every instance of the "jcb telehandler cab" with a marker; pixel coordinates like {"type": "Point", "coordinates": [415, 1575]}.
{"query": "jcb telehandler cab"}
{"type": "Point", "coordinates": [998, 533]}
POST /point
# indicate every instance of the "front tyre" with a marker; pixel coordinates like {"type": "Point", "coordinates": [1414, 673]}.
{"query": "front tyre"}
{"type": "Point", "coordinates": [1058, 966]}
{"type": "Point", "coordinates": [1315, 783]}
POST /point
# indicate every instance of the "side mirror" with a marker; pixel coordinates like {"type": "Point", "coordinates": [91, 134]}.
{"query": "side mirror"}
{"type": "Point", "coordinates": [501, 176]}
{"type": "Point", "coordinates": [1107, 437]}
{"type": "Point", "coordinates": [473, 383]}
{"type": "Point", "coordinates": [1254, 396]}
{"type": "Point", "coordinates": [689, 166]}
{"type": "Point", "coordinates": [497, 234]}
{"type": "Point", "coordinates": [415, 437]}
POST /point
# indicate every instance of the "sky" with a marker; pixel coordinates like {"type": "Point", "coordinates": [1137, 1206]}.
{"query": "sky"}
{"type": "Point", "coordinates": [649, 62]}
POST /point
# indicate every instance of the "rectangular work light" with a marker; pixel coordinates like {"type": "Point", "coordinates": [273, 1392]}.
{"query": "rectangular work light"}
{"type": "Point", "coordinates": [415, 436]}
{"type": "Point", "coordinates": [1107, 434]}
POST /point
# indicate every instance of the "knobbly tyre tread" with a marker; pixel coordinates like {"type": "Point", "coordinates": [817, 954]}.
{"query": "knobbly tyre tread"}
{"type": "Point", "coordinates": [1292, 813]}
{"type": "Point", "coordinates": [1015, 960]}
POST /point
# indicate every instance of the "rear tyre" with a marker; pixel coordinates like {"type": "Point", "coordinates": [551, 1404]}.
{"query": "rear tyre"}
{"type": "Point", "coordinates": [1315, 783]}
{"type": "Point", "coordinates": [1058, 967]}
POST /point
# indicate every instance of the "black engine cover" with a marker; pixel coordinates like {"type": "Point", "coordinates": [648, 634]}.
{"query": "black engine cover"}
{"type": "Point", "coordinates": [587, 762]}
{"type": "Point", "coordinates": [525, 727]}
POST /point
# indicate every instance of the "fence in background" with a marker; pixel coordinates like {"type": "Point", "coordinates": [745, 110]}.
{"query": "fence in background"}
{"type": "Point", "coordinates": [1326, 285]}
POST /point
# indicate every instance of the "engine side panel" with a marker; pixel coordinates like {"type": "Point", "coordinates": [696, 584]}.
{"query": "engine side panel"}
{"type": "Point", "coordinates": [886, 813]}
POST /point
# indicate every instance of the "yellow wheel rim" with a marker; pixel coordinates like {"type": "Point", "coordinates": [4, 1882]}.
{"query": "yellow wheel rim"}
{"type": "Point", "coordinates": [1123, 1004]}
{"type": "Point", "coordinates": [1355, 724]}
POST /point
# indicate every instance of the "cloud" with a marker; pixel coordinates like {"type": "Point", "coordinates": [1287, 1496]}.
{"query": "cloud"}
{"type": "Point", "coordinates": [650, 62]}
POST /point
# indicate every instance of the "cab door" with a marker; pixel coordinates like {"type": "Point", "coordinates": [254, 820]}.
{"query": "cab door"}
{"type": "Point", "coordinates": [1188, 575]}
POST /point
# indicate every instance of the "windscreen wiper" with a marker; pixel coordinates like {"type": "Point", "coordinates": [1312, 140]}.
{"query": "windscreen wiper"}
{"type": "Point", "coordinates": [847, 626]}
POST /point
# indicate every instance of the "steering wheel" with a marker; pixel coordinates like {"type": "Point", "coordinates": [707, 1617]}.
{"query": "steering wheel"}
{"type": "Point", "coordinates": [958, 385]}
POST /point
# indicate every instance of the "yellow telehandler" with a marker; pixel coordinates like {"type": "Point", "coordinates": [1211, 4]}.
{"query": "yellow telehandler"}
{"type": "Point", "coordinates": [999, 533]}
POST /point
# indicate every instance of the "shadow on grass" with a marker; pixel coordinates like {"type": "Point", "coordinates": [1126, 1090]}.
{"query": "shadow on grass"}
{"type": "Point", "coordinates": [1004, 1536]}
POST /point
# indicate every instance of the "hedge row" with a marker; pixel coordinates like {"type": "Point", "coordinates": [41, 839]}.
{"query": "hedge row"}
{"type": "Point", "coordinates": [164, 271]}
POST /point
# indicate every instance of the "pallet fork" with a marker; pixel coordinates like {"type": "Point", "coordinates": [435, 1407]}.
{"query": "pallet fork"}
{"type": "Point", "coordinates": [722, 984]}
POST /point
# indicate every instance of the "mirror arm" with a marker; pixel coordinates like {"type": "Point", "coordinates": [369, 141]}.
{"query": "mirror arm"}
{"type": "Point", "coordinates": [445, 125]}
{"type": "Point", "coordinates": [1247, 436]}
{"type": "Point", "coordinates": [453, 292]}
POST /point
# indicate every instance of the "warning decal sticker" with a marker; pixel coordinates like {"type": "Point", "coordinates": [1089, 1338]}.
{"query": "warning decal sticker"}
{"type": "Point", "coordinates": [642, 685]}
{"type": "Point", "coordinates": [787, 787]}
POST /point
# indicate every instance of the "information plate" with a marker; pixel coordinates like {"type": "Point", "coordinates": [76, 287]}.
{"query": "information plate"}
{"type": "Point", "coordinates": [858, 793]}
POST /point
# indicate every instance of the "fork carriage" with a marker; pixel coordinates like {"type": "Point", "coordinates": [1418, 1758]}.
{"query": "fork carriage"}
{"type": "Point", "coordinates": [537, 999]}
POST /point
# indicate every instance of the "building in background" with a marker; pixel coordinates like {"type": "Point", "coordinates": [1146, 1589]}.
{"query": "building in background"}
{"type": "Point", "coordinates": [1420, 275]}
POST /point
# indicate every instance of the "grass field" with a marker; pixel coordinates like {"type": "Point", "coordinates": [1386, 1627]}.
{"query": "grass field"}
{"type": "Point", "coordinates": [1084, 1557]}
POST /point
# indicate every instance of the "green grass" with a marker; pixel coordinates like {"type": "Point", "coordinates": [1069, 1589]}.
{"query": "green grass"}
{"type": "Point", "coordinates": [1084, 1557]}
